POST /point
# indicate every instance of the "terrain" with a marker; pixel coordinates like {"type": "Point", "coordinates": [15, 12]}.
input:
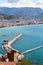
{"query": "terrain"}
{"type": "Point", "coordinates": [20, 16]}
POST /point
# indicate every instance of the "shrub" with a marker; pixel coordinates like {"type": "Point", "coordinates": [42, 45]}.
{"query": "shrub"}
{"type": "Point", "coordinates": [26, 62]}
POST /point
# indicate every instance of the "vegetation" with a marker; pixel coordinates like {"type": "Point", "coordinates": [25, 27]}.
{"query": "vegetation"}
{"type": "Point", "coordinates": [26, 62]}
{"type": "Point", "coordinates": [8, 17]}
{"type": "Point", "coordinates": [41, 64]}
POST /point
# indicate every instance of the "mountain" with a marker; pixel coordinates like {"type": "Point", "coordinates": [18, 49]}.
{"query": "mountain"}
{"type": "Point", "coordinates": [25, 12]}
{"type": "Point", "coordinates": [9, 17]}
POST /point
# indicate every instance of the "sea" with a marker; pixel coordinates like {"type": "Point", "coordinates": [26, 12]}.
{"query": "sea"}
{"type": "Point", "coordinates": [32, 37]}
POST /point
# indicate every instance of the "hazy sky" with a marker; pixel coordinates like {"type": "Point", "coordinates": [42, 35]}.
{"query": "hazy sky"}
{"type": "Point", "coordinates": [21, 3]}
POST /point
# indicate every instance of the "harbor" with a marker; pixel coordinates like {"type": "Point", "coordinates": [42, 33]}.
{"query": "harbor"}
{"type": "Point", "coordinates": [24, 44]}
{"type": "Point", "coordinates": [11, 53]}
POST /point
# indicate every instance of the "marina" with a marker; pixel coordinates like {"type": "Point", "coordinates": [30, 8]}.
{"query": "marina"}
{"type": "Point", "coordinates": [30, 39]}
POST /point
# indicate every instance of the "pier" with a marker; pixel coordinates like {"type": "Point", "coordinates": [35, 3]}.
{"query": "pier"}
{"type": "Point", "coordinates": [32, 49]}
{"type": "Point", "coordinates": [8, 45]}
{"type": "Point", "coordinates": [14, 39]}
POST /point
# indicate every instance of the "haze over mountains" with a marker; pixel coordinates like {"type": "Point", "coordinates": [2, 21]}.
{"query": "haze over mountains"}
{"type": "Point", "coordinates": [23, 12]}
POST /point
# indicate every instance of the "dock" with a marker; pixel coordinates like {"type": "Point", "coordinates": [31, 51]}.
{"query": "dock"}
{"type": "Point", "coordinates": [13, 40]}
{"type": "Point", "coordinates": [32, 49]}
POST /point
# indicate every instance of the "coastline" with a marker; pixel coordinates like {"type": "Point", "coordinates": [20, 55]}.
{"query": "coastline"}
{"type": "Point", "coordinates": [27, 26]}
{"type": "Point", "coordinates": [20, 25]}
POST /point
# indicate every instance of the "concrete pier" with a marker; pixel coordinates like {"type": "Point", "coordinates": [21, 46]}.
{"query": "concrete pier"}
{"type": "Point", "coordinates": [32, 49]}
{"type": "Point", "coordinates": [13, 40]}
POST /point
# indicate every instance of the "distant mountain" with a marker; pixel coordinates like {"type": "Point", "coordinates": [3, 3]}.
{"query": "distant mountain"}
{"type": "Point", "coordinates": [6, 16]}
{"type": "Point", "coordinates": [23, 12]}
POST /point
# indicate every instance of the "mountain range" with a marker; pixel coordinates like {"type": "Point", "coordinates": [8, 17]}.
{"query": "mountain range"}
{"type": "Point", "coordinates": [25, 12]}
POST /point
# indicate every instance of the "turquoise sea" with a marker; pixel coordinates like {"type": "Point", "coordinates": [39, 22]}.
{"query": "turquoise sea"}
{"type": "Point", "coordinates": [32, 37]}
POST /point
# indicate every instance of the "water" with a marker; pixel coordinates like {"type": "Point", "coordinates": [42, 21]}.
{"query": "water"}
{"type": "Point", "coordinates": [32, 37]}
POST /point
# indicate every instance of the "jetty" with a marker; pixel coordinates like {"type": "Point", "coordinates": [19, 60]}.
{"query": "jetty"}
{"type": "Point", "coordinates": [14, 39]}
{"type": "Point", "coordinates": [32, 49]}
{"type": "Point", "coordinates": [7, 45]}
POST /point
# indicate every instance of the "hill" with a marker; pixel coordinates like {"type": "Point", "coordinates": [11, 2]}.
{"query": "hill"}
{"type": "Point", "coordinates": [23, 12]}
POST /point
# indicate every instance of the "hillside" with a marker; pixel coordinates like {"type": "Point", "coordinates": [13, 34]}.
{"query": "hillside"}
{"type": "Point", "coordinates": [20, 16]}
{"type": "Point", "coordinates": [9, 17]}
{"type": "Point", "coordinates": [23, 12]}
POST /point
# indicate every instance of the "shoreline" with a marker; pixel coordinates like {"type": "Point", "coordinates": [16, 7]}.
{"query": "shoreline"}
{"type": "Point", "coordinates": [21, 25]}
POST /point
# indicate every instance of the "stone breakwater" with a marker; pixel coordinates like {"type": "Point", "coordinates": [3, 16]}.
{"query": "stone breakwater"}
{"type": "Point", "coordinates": [13, 40]}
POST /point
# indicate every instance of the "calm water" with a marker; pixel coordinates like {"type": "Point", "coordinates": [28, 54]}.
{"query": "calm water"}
{"type": "Point", "coordinates": [32, 37]}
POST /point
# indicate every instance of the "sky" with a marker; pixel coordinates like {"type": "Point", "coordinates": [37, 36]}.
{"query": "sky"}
{"type": "Point", "coordinates": [21, 3]}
